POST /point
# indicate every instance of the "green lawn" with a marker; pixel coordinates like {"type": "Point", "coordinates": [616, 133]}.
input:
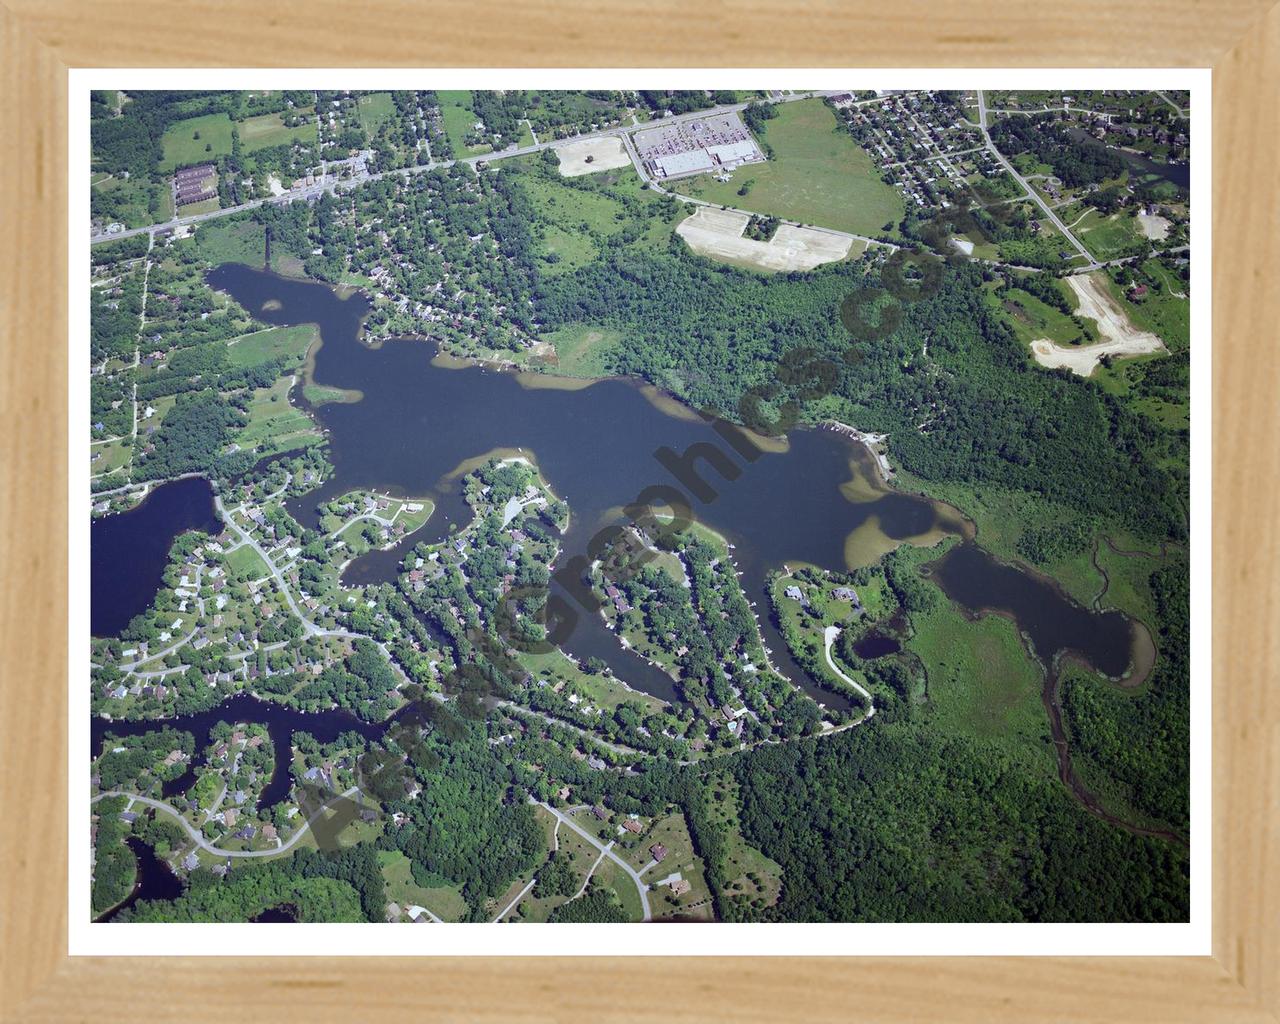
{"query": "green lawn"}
{"type": "Point", "coordinates": [269, 130]}
{"type": "Point", "coordinates": [263, 346]}
{"type": "Point", "coordinates": [183, 149]}
{"type": "Point", "coordinates": [458, 117]}
{"type": "Point", "coordinates": [244, 561]}
{"type": "Point", "coordinates": [445, 902]}
{"type": "Point", "coordinates": [818, 175]}
{"type": "Point", "coordinates": [239, 241]}
{"type": "Point", "coordinates": [375, 109]}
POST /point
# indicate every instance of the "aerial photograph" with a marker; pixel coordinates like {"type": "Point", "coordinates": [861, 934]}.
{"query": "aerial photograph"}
{"type": "Point", "coordinates": [637, 506]}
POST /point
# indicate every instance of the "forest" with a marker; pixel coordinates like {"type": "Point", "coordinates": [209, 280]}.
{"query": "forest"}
{"type": "Point", "coordinates": [900, 823]}
{"type": "Point", "coordinates": [1076, 162]}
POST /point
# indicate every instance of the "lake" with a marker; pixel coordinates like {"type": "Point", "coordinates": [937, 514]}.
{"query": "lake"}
{"type": "Point", "coordinates": [128, 551]}
{"type": "Point", "coordinates": [424, 420]}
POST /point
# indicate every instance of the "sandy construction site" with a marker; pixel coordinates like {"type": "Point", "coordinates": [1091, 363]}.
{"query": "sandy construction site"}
{"type": "Point", "coordinates": [1154, 226]}
{"type": "Point", "coordinates": [718, 234]}
{"type": "Point", "coordinates": [591, 155]}
{"type": "Point", "coordinates": [1120, 336]}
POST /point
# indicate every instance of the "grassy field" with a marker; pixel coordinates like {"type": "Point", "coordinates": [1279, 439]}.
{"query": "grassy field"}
{"type": "Point", "coordinates": [572, 220]}
{"type": "Point", "coordinates": [1109, 236]}
{"type": "Point", "coordinates": [205, 206]}
{"type": "Point", "coordinates": [1032, 319]}
{"type": "Point", "coordinates": [241, 241]}
{"type": "Point", "coordinates": [182, 148]}
{"type": "Point", "coordinates": [982, 682]}
{"type": "Point", "coordinates": [444, 901]}
{"type": "Point", "coordinates": [458, 117]}
{"type": "Point", "coordinates": [583, 350]}
{"type": "Point", "coordinates": [275, 424]}
{"type": "Point", "coordinates": [1161, 312]}
{"type": "Point", "coordinates": [244, 561]}
{"type": "Point", "coordinates": [818, 175]}
{"type": "Point", "coordinates": [263, 346]}
{"type": "Point", "coordinates": [269, 130]}
{"type": "Point", "coordinates": [375, 109]}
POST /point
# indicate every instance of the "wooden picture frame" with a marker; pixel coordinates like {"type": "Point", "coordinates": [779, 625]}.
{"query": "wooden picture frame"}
{"type": "Point", "coordinates": [41, 39]}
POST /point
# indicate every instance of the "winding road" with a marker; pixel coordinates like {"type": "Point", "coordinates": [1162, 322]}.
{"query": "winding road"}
{"type": "Point", "coordinates": [828, 638]}
{"type": "Point", "coordinates": [205, 845]}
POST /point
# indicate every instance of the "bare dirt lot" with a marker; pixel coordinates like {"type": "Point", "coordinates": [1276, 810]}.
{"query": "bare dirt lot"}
{"type": "Point", "coordinates": [1154, 226]}
{"type": "Point", "coordinates": [1120, 336]}
{"type": "Point", "coordinates": [591, 155]}
{"type": "Point", "coordinates": [718, 234]}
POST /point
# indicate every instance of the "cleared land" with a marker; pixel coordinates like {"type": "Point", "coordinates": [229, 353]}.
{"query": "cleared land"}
{"type": "Point", "coordinates": [273, 343]}
{"type": "Point", "coordinates": [719, 234]}
{"type": "Point", "coordinates": [196, 140]}
{"type": "Point", "coordinates": [1121, 337]}
{"type": "Point", "coordinates": [816, 175]}
{"type": "Point", "coordinates": [458, 117]}
{"type": "Point", "coordinates": [269, 130]}
{"type": "Point", "coordinates": [1154, 226]}
{"type": "Point", "coordinates": [591, 155]}
{"type": "Point", "coordinates": [375, 109]}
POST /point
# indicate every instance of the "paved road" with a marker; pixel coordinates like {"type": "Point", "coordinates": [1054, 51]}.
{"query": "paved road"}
{"type": "Point", "coordinates": [152, 656]}
{"type": "Point", "coordinates": [828, 638]}
{"type": "Point", "coordinates": [1048, 210]}
{"type": "Point", "coordinates": [247, 538]}
{"type": "Point", "coordinates": [641, 887]}
{"type": "Point", "coordinates": [512, 905]}
{"type": "Point", "coordinates": [333, 184]}
{"type": "Point", "coordinates": [204, 844]}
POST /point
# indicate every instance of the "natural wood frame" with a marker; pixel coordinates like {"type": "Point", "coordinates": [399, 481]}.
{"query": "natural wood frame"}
{"type": "Point", "coordinates": [40, 39]}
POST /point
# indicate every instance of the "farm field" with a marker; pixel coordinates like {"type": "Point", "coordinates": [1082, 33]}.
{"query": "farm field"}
{"type": "Point", "coordinates": [183, 149]}
{"type": "Point", "coordinates": [817, 175]}
{"type": "Point", "coordinates": [269, 130]}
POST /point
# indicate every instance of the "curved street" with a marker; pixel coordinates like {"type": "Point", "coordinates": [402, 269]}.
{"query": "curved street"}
{"type": "Point", "coordinates": [208, 847]}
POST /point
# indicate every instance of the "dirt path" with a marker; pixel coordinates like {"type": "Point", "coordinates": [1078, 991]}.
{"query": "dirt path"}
{"type": "Point", "coordinates": [1120, 336]}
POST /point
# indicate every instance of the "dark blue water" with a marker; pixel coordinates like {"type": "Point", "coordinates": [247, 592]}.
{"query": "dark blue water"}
{"type": "Point", "coordinates": [128, 551]}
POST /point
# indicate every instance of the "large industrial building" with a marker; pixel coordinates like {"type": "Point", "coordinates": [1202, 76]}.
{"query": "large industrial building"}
{"type": "Point", "coordinates": [707, 144]}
